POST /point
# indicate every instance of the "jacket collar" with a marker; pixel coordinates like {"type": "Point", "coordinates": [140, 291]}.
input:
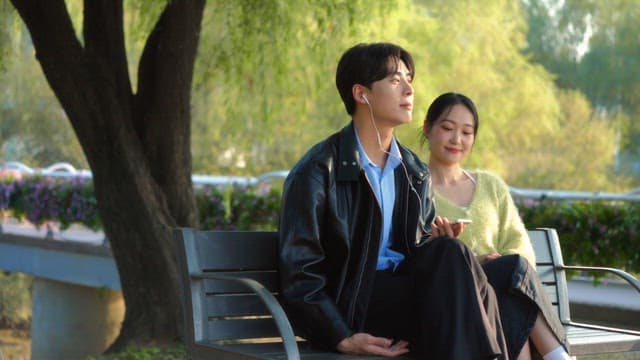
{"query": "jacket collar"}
{"type": "Point", "coordinates": [349, 163]}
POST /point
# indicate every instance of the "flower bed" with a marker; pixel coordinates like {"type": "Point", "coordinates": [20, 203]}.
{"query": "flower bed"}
{"type": "Point", "coordinates": [68, 201]}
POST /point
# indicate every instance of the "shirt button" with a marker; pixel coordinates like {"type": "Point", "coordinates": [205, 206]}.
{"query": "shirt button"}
{"type": "Point", "coordinates": [344, 163]}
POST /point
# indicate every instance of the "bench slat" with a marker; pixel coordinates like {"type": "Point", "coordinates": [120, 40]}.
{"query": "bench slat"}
{"type": "Point", "coordinates": [546, 273]}
{"type": "Point", "coordinates": [273, 351]}
{"type": "Point", "coordinates": [268, 279]}
{"type": "Point", "coordinates": [233, 329]}
{"type": "Point", "coordinates": [235, 305]}
{"type": "Point", "coordinates": [589, 341]}
{"type": "Point", "coordinates": [541, 246]}
{"type": "Point", "coordinates": [552, 293]}
{"type": "Point", "coordinates": [548, 258]}
{"type": "Point", "coordinates": [237, 250]}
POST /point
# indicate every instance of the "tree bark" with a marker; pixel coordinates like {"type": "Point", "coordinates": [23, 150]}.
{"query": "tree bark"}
{"type": "Point", "coordinates": [137, 144]}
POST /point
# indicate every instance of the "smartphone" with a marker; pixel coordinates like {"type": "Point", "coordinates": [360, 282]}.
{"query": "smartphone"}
{"type": "Point", "coordinates": [463, 221]}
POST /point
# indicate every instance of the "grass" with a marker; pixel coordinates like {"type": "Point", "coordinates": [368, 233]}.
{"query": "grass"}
{"type": "Point", "coordinates": [165, 352]}
{"type": "Point", "coordinates": [15, 344]}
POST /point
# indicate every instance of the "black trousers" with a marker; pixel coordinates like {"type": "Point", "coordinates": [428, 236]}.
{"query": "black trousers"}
{"type": "Point", "coordinates": [521, 297]}
{"type": "Point", "coordinates": [440, 301]}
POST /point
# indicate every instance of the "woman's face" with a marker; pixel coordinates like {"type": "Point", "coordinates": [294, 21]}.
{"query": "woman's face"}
{"type": "Point", "coordinates": [451, 137]}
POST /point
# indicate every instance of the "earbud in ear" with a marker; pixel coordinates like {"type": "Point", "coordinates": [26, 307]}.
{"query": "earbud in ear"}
{"type": "Point", "coordinates": [364, 98]}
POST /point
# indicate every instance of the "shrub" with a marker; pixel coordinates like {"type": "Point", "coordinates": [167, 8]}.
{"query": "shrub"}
{"type": "Point", "coordinates": [595, 233]}
{"type": "Point", "coordinates": [599, 233]}
{"type": "Point", "coordinates": [212, 203]}
{"type": "Point", "coordinates": [238, 208]}
{"type": "Point", "coordinates": [253, 209]}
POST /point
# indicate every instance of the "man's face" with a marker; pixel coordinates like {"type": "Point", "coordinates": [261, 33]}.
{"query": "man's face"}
{"type": "Point", "coordinates": [391, 98]}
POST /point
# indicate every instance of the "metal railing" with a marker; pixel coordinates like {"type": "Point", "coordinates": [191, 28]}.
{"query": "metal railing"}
{"type": "Point", "coordinates": [541, 194]}
{"type": "Point", "coordinates": [63, 169]}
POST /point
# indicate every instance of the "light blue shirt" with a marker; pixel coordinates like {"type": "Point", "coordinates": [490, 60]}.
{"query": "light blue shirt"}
{"type": "Point", "coordinates": [383, 184]}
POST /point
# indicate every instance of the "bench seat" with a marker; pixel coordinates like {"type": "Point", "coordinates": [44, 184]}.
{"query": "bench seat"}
{"type": "Point", "coordinates": [230, 285]}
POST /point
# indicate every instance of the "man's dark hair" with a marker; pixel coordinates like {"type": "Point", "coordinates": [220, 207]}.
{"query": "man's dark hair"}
{"type": "Point", "coordinates": [365, 64]}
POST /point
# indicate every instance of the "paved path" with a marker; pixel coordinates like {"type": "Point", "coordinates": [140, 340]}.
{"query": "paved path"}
{"type": "Point", "coordinates": [613, 294]}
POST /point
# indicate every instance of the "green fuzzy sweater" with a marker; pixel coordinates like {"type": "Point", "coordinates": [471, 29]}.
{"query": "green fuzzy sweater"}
{"type": "Point", "coordinates": [496, 225]}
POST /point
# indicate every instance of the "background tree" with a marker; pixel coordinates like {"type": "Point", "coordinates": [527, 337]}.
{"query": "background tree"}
{"type": "Point", "coordinates": [252, 123]}
{"type": "Point", "coordinates": [135, 130]}
{"type": "Point", "coordinates": [254, 90]}
{"type": "Point", "coordinates": [276, 96]}
{"type": "Point", "coordinates": [580, 130]}
{"type": "Point", "coordinates": [136, 142]}
{"type": "Point", "coordinates": [593, 46]}
{"type": "Point", "coordinates": [515, 98]}
{"type": "Point", "coordinates": [34, 129]}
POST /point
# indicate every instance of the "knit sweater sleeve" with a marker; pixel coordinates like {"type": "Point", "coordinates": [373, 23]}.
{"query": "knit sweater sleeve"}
{"type": "Point", "coordinates": [513, 237]}
{"type": "Point", "coordinates": [496, 226]}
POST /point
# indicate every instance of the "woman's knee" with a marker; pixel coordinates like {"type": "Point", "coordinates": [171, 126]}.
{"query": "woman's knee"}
{"type": "Point", "coordinates": [509, 272]}
{"type": "Point", "coordinates": [505, 262]}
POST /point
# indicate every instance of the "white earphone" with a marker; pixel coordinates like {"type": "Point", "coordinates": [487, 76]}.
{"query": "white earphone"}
{"type": "Point", "coordinates": [406, 172]}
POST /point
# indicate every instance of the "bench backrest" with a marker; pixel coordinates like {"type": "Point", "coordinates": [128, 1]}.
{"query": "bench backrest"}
{"type": "Point", "coordinates": [548, 262]}
{"type": "Point", "coordinates": [221, 310]}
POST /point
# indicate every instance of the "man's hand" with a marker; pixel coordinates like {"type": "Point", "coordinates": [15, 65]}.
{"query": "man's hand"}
{"type": "Point", "coordinates": [365, 344]}
{"type": "Point", "coordinates": [442, 227]}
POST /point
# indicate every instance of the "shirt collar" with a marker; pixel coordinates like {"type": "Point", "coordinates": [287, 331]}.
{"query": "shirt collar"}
{"type": "Point", "coordinates": [393, 160]}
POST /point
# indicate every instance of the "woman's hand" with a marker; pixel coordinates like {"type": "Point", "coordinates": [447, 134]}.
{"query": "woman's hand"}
{"type": "Point", "coordinates": [365, 344]}
{"type": "Point", "coordinates": [487, 257]}
{"type": "Point", "coordinates": [442, 227]}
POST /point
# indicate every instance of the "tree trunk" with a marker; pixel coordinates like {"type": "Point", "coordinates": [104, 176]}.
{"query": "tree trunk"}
{"type": "Point", "coordinates": [137, 145]}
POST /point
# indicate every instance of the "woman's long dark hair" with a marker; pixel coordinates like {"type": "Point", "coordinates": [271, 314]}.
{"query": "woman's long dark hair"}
{"type": "Point", "coordinates": [441, 107]}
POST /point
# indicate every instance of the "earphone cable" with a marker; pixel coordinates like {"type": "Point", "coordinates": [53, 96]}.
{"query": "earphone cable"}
{"type": "Point", "coordinates": [406, 172]}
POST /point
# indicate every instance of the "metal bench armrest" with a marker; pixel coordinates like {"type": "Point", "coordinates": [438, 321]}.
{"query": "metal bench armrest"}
{"type": "Point", "coordinates": [605, 328]}
{"type": "Point", "coordinates": [274, 307]}
{"type": "Point", "coordinates": [635, 283]}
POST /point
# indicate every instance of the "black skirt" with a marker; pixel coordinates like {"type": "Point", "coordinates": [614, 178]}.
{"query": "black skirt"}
{"type": "Point", "coordinates": [521, 297]}
{"type": "Point", "coordinates": [441, 302]}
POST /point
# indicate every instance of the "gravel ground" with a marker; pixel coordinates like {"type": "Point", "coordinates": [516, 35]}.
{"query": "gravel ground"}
{"type": "Point", "coordinates": [15, 344]}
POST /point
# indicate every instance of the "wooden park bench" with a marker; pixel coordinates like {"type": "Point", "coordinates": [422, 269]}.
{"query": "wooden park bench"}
{"type": "Point", "coordinates": [230, 285]}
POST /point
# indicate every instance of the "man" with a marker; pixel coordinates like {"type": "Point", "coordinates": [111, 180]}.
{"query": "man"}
{"type": "Point", "coordinates": [366, 267]}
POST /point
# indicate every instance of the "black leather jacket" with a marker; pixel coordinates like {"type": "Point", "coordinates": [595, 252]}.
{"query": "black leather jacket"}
{"type": "Point", "coordinates": [330, 233]}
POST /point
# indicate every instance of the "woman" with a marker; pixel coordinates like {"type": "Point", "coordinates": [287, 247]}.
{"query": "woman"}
{"type": "Point", "coordinates": [496, 234]}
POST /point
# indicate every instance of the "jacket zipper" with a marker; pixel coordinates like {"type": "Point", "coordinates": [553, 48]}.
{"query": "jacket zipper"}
{"type": "Point", "coordinates": [426, 188]}
{"type": "Point", "coordinates": [352, 311]}
{"type": "Point", "coordinates": [407, 194]}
